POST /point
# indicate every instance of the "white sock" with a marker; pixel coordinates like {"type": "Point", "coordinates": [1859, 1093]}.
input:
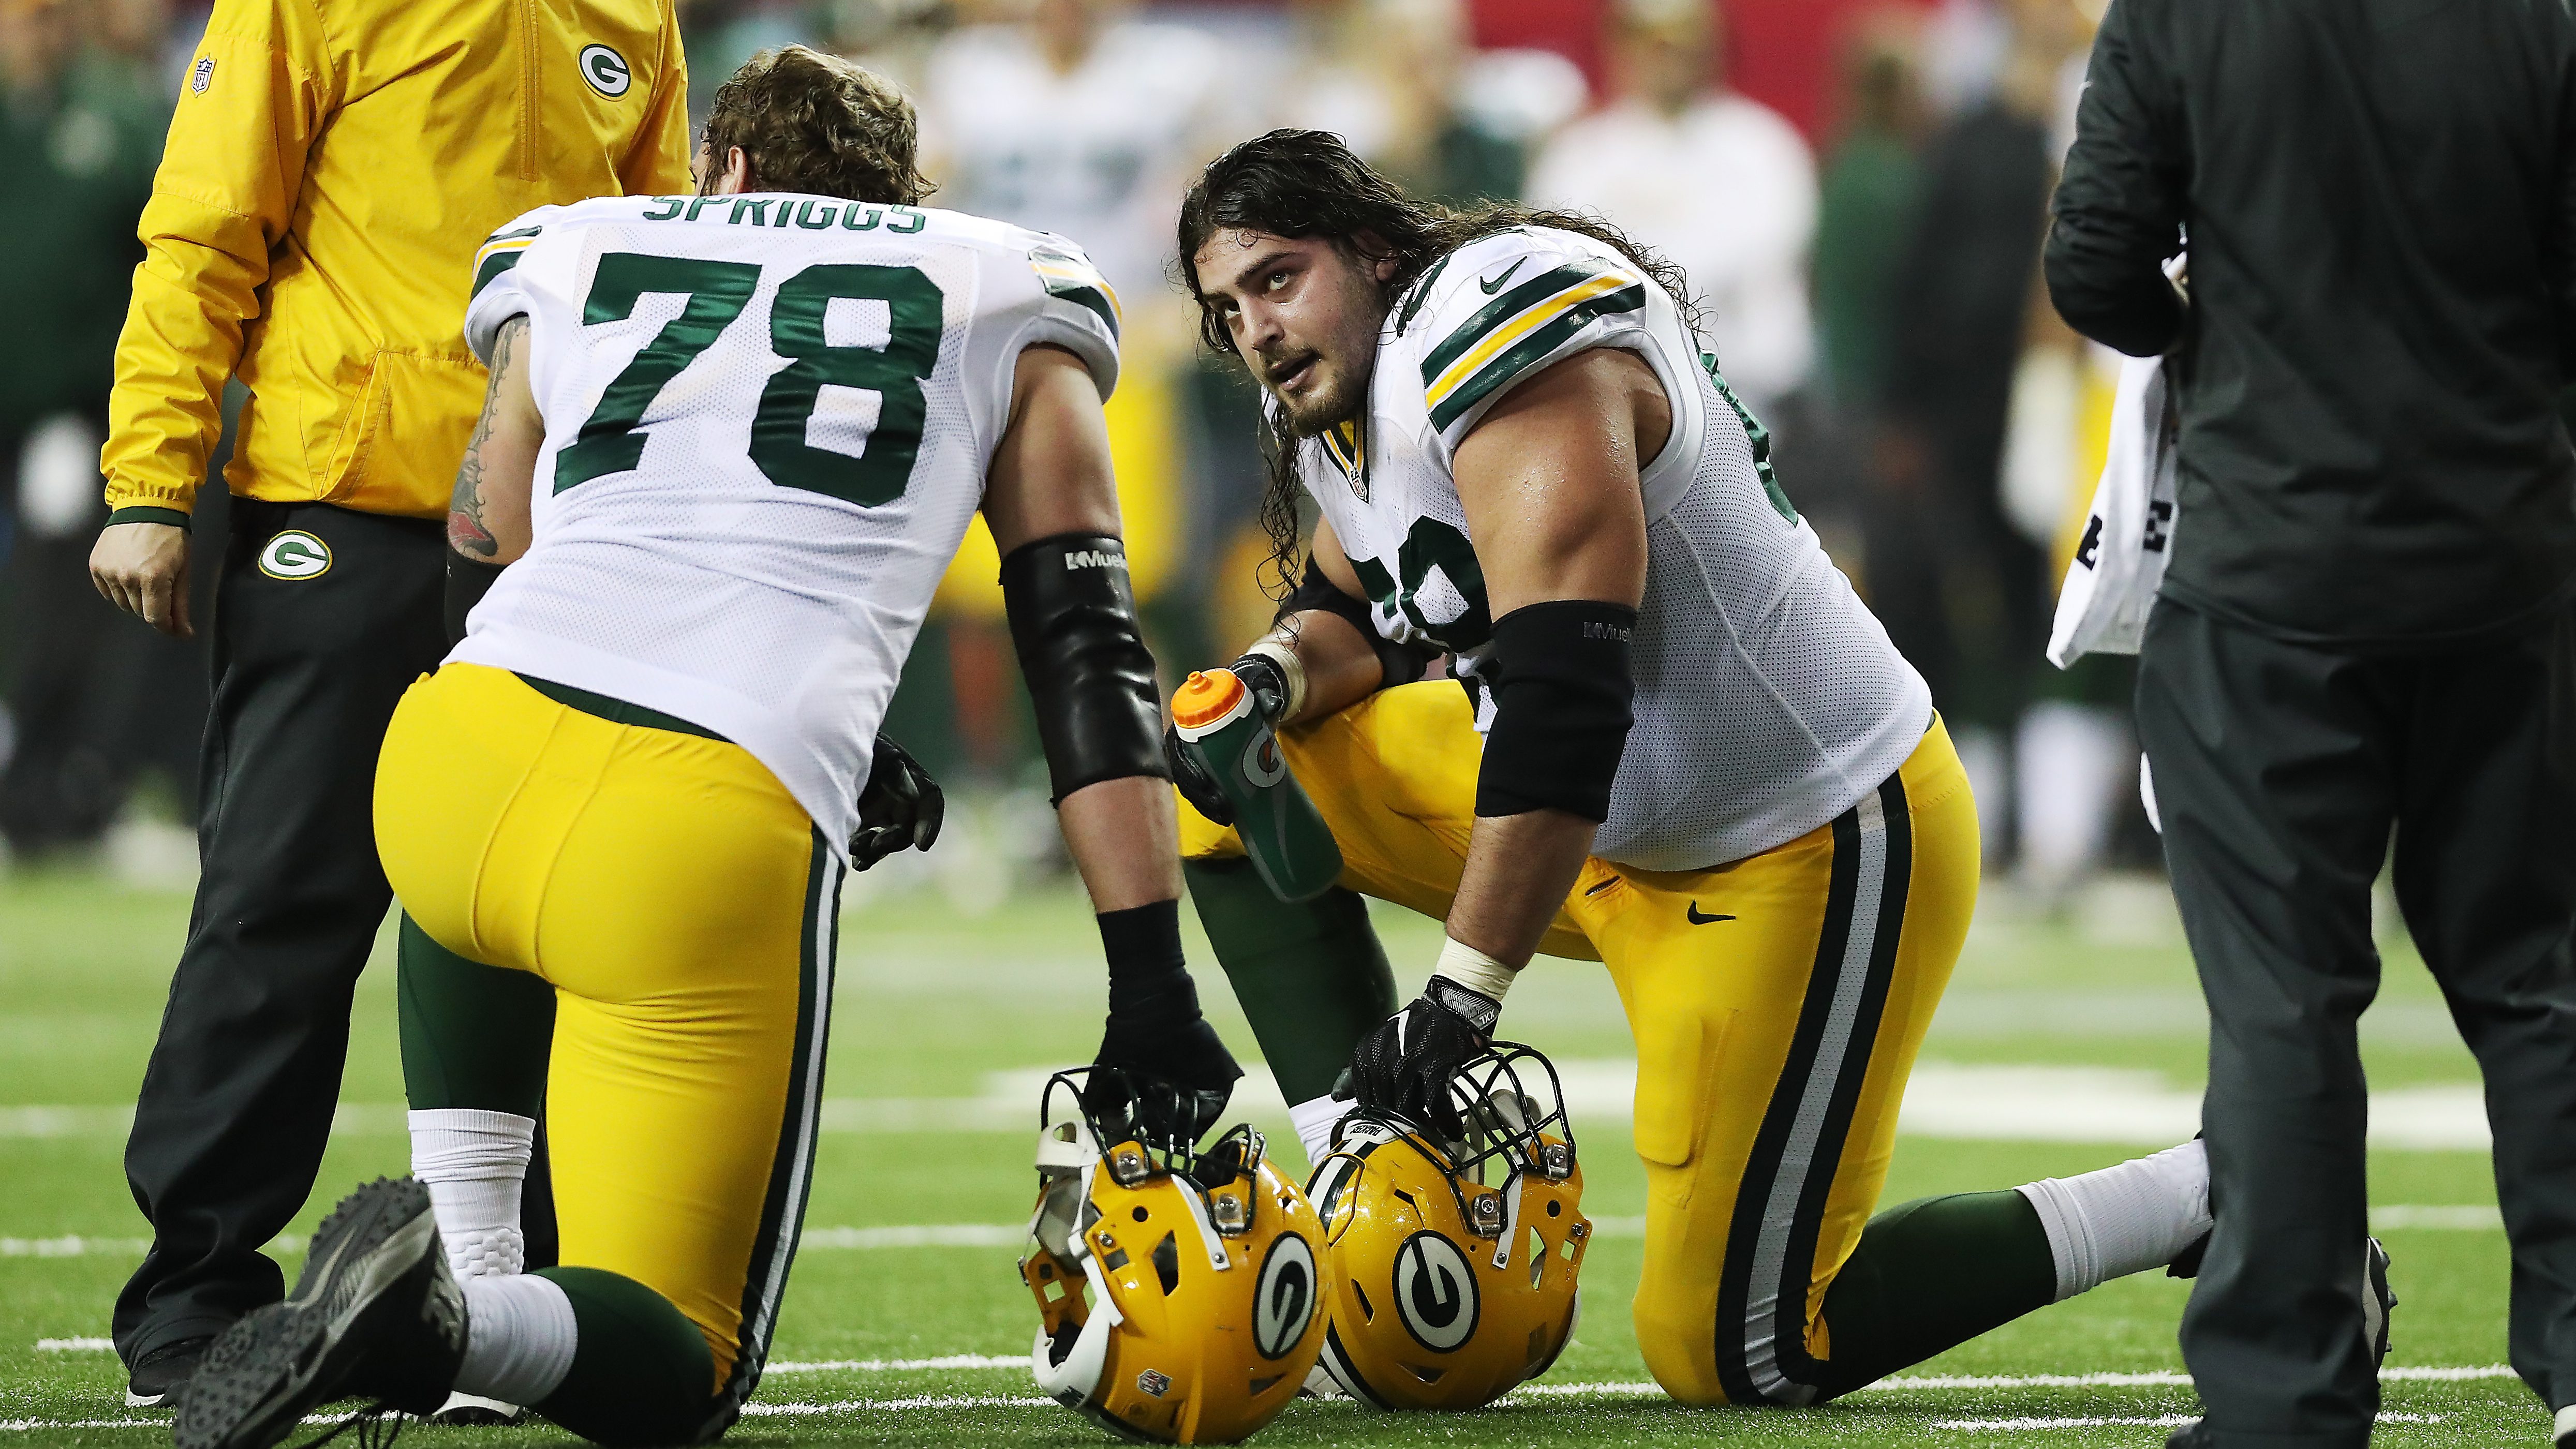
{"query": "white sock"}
{"type": "Point", "coordinates": [1315, 1121]}
{"type": "Point", "coordinates": [519, 1338]}
{"type": "Point", "coordinates": [2125, 1219]}
{"type": "Point", "coordinates": [472, 1163]}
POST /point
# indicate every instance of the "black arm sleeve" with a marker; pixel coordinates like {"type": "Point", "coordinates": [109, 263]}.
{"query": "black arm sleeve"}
{"type": "Point", "coordinates": [2562, 278]}
{"type": "Point", "coordinates": [1397, 663]}
{"type": "Point", "coordinates": [1560, 709]}
{"type": "Point", "coordinates": [2119, 208]}
{"type": "Point", "coordinates": [1073, 622]}
{"type": "Point", "coordinates": [468, 580]}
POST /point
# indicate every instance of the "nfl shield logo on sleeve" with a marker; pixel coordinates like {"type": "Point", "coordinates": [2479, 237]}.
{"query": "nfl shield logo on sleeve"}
{"type": "Point", "coordinates": [201, 75]}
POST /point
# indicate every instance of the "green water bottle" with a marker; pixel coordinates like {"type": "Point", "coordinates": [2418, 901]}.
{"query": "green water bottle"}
{"type": "Point", "coordinates": [1289, 843]}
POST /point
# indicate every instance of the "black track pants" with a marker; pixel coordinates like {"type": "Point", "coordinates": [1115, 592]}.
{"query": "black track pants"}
{"type": "Point", "coordinates": [236, 1104]}
{"type": "Point", "coordinates": [2281, 771]}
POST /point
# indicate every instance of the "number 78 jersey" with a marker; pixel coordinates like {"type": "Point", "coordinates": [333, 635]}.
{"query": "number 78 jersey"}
{"type": "Point", "coordinates": [768, 420]}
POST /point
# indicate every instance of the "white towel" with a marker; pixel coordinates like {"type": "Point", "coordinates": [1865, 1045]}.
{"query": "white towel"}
{"type": "Point", "coordinates": [2121, 562]}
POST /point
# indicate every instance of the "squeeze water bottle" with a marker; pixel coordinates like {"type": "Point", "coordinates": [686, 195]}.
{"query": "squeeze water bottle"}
{"type": "Point", "coordinates": [1291, 847]}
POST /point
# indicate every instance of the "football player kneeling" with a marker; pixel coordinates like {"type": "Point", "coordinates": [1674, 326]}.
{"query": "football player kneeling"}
{"type": "Point", "coordinates": [1450, 1266]}
{"type": "Point", "coordinates": [1179, 1291]}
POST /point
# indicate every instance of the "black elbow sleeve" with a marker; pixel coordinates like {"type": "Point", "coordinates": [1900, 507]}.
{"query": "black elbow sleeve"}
{"type": "Point", "coordinates": [1073, 623]}
{"type": "Point", "coordinates": [468, 580]}
{"type": "Point", "coordinates": [1561, 713]}
{"type": "Point", "coordinates": [1397, 663]}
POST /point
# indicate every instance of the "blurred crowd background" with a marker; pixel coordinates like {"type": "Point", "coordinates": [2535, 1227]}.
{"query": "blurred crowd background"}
{"type": "Point", "coordinates": [1856, 188]}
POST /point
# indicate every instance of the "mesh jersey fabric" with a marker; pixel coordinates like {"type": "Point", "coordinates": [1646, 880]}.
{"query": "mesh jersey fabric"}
{"type": "Point", "coordinates": [768, 420]}
{"type": "Point", "coordinates": [1768, 698]}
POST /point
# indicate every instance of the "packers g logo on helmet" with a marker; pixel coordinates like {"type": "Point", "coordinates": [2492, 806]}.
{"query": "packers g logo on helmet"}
{"type": "Point", "coordinates": [1451, 1267]}
{"type": "Point", "coordinates": [1180, 1293]}
{"type": "Point", "coordinates": [1435, 1292]}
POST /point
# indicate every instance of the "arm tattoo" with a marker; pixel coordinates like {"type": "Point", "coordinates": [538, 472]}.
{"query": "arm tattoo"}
{"type": "Point", "coordinates": [465, 530]}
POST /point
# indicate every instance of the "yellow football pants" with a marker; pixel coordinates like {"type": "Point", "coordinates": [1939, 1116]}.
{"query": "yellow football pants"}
{"type": "Point", "coordinates": [1777, 1002]}
{"type": "Point", "coordinates": [683, 907]}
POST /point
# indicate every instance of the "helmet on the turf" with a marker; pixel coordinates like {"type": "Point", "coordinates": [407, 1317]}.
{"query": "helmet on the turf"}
{"type": "Point", "coordinates": [1179, 1294]}
{"type": "Point", "coordinates": [1451, 1267]}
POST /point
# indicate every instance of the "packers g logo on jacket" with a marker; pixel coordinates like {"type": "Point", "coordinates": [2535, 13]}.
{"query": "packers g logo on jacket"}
{"type": "Point", "coordinates": [606, 71]}
{"type": "Point", "coordinates": [1451, 1267]}
{"type": "Point", "coordinates": [1180, 1293]}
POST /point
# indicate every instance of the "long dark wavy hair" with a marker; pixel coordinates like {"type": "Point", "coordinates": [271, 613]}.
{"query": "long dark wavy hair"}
{"type": "Point", "coordinates": [1297, 184]}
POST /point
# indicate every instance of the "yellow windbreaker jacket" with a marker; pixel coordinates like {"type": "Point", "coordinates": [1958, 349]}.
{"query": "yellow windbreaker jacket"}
{"type": "Point", "coordinates": [332, 167]}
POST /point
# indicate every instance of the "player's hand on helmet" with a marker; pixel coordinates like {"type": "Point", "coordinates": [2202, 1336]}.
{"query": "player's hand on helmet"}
{"type": "Point", "coordinates": [901, 808]}
{"type": "Point", "coordinates": [1407, 1064]}
{"type": "Point", "coordinates": [1176, 1071]}
{"type": "Point", "coordinates": [1269, 689]}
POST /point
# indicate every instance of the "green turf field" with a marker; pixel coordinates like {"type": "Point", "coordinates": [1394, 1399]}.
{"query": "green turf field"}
{"type": "Point", "coordinates": [893, 1334]}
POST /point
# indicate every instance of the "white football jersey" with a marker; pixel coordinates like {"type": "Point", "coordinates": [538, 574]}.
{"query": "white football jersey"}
{"type": "Point", "coordinates": [1769, 699]}
{"type": "Point", "coordinates": [768, 419]}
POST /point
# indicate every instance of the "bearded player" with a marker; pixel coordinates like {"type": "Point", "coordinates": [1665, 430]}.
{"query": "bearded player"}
{"type": "Point", "coordinates": [731, 442]}
{"type": "Point", "coordinates": [1701, 761]}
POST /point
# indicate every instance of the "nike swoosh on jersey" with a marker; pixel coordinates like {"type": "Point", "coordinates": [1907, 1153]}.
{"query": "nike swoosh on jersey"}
{"type": "Point", "coordinates": [1695, 918]}
{"type": "Point", "coordinates": [1496, 284]}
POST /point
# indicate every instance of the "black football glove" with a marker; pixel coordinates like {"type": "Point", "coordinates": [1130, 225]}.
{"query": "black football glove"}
{"type": "Point", "coordinates": [1406, 1065]}
{"type": "Point", "coordinates": [1269, 695]}
{"type": "Point", "coordinates": [900, 809]}
{"type": "Point", "coordinates": [1195, 784]}
{"type": "Point", "coordinates": [1260, 674]}
{"type": "Point", "coordinates": [1177, 1075]}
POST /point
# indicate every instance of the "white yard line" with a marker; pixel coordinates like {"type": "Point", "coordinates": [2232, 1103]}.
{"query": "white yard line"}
{"type": "Point", "coordinates": [1950, 1100]}
{"type": "Point", "coordinates": [2159, 1421]}
{"type": "Point", "coordinates": [2442, 1217]}
{"type": "Point", "coordinates": [80, 1245]}
{"type": "Point", "coordinates": [2155, 1378]}
{"type": "Point", "coordinates": [901, 1365]}
{"type": "Point", "coordinates": [75, 1345]}
{"type": "Point", "coordinates": [756, 1409]}
{"type": "Point", "coordinates": [2432, 1217]}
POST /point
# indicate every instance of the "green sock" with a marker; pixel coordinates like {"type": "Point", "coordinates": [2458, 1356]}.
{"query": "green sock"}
{"type": "Point", "coordinates": [1312, 977]}
{"type": "Point", "coordinates": [1930, 1275]}
{"type": "Point", "coordinates": [473, 1036]}
{"type": "Point", "coordinates": [640, 1370]}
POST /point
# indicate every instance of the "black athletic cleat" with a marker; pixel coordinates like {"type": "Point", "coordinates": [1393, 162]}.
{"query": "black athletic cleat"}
{"type": "Point", "coordinates": [157, 1376]}
{"type": "Point", "coordinates": [2378, 1304]}
{"type": "Point", "coordinates": [2378, 1300]}
{"type": "Point", "coordinates": [375, 1315]}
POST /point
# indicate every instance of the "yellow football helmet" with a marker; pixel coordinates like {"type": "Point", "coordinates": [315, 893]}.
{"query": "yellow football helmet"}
{"type": "Point", "coordinates": [1179, 1292]}
{"type": "Point", "coordinates": [1450, 1268]}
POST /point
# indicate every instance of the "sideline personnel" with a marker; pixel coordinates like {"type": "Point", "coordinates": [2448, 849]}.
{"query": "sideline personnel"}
{"type": "Point", "coordinates": [2366, 625]}
{"type": "Point", "coordinates": [331, 167]}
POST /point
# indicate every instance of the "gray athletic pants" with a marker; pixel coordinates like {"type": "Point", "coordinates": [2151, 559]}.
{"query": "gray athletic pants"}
{"type": "Point", "coordinates": [2281, 771]}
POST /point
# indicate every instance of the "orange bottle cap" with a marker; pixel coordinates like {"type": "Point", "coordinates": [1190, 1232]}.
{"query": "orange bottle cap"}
{"type": "Point", "coordinates": [1205, 698]}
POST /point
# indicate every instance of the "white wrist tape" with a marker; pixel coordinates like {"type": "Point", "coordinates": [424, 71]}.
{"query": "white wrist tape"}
{"type": "Point", "coordinates": [1473, 969]}
{"type": "Point", "coordinates": [1278, 650]}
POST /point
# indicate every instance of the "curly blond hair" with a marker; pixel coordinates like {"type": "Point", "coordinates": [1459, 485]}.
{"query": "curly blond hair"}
{"type": "Point", "coordinates": [816, 123]}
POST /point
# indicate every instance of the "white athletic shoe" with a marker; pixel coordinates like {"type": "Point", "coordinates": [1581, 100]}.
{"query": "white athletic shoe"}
{"type": "Point", "coordinates": [477, 1412]}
